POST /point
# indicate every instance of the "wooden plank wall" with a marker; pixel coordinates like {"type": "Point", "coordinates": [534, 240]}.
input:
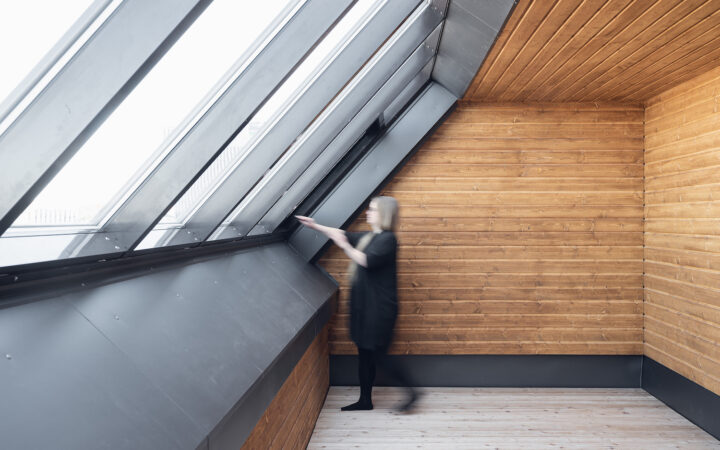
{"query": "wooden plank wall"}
{"type": "Point", "coordinates": [521, 233]}
{"type": "Point", "coordinates": [290, 419]}
{"type": "Point", "coordinates": [682, 229]}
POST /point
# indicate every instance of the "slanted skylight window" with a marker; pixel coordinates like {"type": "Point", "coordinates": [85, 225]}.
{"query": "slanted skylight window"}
{"type": "Point", "coordinates": [141, 129]}
{"type": "Point", "coordinates": [330, 132]}
{"type": "Point", "coordinates": [140, 132]}
{"type": "Point", "coordinates": [261, 123]}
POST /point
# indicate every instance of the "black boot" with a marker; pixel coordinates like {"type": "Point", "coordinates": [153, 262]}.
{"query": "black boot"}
{"type": "Point", "coordinates": [365, 402]}
{"type": "Point", "coordinates": [358, 406]}
{"type": "Point", "coordinates": [411, 401]}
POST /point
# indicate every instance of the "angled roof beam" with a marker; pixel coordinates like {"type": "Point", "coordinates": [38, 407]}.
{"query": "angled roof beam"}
{"type": "Point", "coordinates": [185, 163]}
{"type": "Point", "coordinates": [335, 118]}
{"type": "Point", "coordinates": [55, 125]}
{"type": "Point", "coordinates": [365, 178]}
{"type": "Point", "coordinates": [307, 106]}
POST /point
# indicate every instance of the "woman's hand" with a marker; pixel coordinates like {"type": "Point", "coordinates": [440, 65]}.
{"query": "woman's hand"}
{"type": "Point", "coordinates": [307, 221]}
{"type": "Point", "coordinates": [335, 234]}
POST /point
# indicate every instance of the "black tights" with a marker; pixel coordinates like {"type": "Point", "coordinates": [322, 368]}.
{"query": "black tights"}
{"type": "Point", "coordinates": [367, 362]}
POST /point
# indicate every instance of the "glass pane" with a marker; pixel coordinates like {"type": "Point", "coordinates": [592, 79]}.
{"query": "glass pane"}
{"type": "Point", "coordinates": [21, 249]}
{"type": "Point", "coordinates": [266, 117]}
{"type": "Point", "coordinates": [140, 130]}
{"type": "Point", "coordinates": [28, 30]}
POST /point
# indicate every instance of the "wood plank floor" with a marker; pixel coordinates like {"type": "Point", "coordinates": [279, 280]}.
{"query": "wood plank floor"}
{"type": "Point", "coordinates": [470, 418]}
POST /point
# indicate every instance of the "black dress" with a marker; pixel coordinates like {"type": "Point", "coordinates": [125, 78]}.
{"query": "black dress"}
{"type": "Point", "coordinates": [373, 296]}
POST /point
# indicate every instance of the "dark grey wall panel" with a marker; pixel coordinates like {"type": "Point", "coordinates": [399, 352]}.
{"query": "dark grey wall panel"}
{"type": "Point", "coordinates": [66, 386]}
{"type": "Point", "coordinates": [312, 285]}
{"type": "Point", "coordinates": [205, 331]}
{"type": "Point", "coordinates": [588, 371]}
{"type": "Point", "coordinates": [698, 404]}
{"type": "Point", "coordinates": [242, 419]}
{"type": "Point", "coordinates": [161, 360]}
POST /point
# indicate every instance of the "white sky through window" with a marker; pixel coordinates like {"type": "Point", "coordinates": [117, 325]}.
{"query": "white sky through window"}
{"type": "Point", "coordinates": [130, 139]}
{"type": "Point", "coordinates": [28, 30]}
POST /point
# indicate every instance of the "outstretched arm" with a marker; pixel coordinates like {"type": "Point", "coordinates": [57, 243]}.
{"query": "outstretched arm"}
{"type": "Point", "coordinates": [338, 237]}
{"type": "Point", "coordinates": [332, 233]}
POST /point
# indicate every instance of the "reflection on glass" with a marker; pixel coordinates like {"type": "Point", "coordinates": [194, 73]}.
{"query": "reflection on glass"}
{"type": "Point", "coordinates": [265, 118]}
{"type": "Point", "coordinates": [138, 131]}
{"type": "Point", "coordinates": [31, 249]}
{"type": "Point", "coordinates": [28, 30]}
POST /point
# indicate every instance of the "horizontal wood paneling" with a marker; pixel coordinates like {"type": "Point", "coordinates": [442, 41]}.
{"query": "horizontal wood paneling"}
{"type": "Point", "coordinates": [592, 51]}
{"type": "Point", "coordinates": [682, 229]}
{"type": "Point", "coordinates": [520, 232]}
{"type": "Point", "coordinates": [290, 419]}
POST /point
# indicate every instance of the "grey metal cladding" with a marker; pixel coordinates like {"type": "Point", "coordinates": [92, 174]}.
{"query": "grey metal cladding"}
{"type": "Point", "coordinates": [405, 48]}
{"type": "Point", "coordinates": [492, 12]}
{"type": "Point", "coordinates": [241, 420]}
{"type": "Point", "coordinates": [470, 30]}
{"type": "Point", "coordinates": [204, 332]}
{"type": "Point", "coordinates": [163, 359]}
{"type": "Point", "coordinates": [57, 122]}
{"type": "Point", "coordinates": [330, 156]}
{"type": "Point", "coordinates": [185, 162]}
{"type": "Point", "coordinates": [312, 101]}
{"type": "Point", "coordinates": [466, 39]}
{"type": "Point", "coordinates": [412, 88]}
{"type": "Point", "coordinates": [66, 386]}
{"type": "Point", "coordinates": [452, 75]}
{"type": "Point", "coordinates": [380, 162]}
{"type": "Point", "coordinates": [312, 285]}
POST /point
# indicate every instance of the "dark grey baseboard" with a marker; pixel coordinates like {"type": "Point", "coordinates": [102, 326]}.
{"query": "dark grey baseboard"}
{"type": "Point", "coordinates": [697, 404]}
{"type": "Point", "coordinates": [502, 370]}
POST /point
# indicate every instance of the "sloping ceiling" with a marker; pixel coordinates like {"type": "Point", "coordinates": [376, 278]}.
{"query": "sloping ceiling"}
{"type": "Point", "coordinates": [591, 50]}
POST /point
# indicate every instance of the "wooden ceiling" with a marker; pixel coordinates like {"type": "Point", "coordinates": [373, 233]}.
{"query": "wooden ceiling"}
{"type": "Point", "coordinates": [598, 50]}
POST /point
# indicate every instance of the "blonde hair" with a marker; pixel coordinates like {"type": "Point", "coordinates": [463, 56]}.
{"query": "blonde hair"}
{"type": "Point", "coordinates": [387, 208]}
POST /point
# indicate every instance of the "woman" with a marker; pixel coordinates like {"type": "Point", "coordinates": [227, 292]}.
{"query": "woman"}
{"type": "Point", "coordinates": [373, 296]}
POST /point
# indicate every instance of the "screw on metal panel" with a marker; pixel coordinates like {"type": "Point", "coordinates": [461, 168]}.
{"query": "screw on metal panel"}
{"type": "Point", "coordinates": [107, 238]}
{"type": "Point", "coordinates": [216, 281]}
{"type": "Point", "coordinates": [116, 317]}
{"type": "Point", "coordinates": [15, 278]}
{"type": "Point", "coordinates": [117, 247]}
{"type": "Point", "coordinates": [82, 284]}
{"type": "Point", "coordinates": [8, 356]}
